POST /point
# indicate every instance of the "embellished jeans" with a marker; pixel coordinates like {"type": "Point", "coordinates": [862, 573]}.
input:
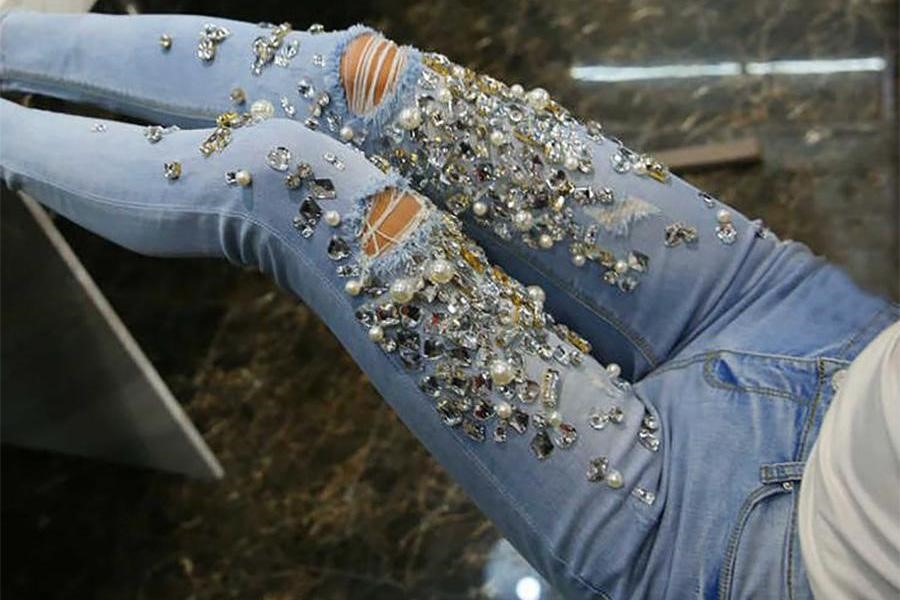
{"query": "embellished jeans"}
{"type": "Point", "coordinates": [673, 475]}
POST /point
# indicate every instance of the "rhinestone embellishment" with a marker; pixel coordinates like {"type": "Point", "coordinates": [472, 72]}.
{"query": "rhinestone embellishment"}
{"type": "Point", "coordinates": [279, 158]}
{"type": "Point", "coordinates": [210, 38]}
{"type": "Point", "coordinates": [172, 170]}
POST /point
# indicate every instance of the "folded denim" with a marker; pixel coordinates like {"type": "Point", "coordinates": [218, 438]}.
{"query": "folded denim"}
{"type": "Point", "coordinates": [736, 332]}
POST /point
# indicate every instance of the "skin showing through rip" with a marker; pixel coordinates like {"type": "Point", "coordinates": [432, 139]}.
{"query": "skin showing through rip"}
{"type": "Point", "coordinates": [383, 80]}
{"type": "Point", "coordinates": [405, 209]}
{"type": "Point", "coordinates": [355, 60]}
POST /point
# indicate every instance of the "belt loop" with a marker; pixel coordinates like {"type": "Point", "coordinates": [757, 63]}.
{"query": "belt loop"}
{"type": "Point", "coordinates": [781, 472]}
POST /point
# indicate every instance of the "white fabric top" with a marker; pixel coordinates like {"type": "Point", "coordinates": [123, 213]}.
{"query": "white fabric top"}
{"type": "Point", "coordinates": [849, 511]}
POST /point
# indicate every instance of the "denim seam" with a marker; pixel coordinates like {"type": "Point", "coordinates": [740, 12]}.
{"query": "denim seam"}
{"type": "Point", "coordinates": [100, 91]}
{"type": "Point", "coordinates": [791, 547]}
{"type": "Point", "coordinates": [636, 339]}
{"type": "Point", "coordinates": [686, 362]}
{"type": "Point", "coordinates": [329, 286]}
{"type": "Point", "coordinates": [726, 577]}
{"type": "Point", "coordinates": [813, 409]}
{"type": "Point", "coordinates": [865, 329]}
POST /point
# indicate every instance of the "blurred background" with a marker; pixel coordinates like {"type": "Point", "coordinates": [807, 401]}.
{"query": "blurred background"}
{"type": "Point", "coordinates": [326, 494]}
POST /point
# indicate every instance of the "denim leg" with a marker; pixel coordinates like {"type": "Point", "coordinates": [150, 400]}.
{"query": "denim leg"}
{"type": "Point", "coordinates": [118, 62]}
{"type": "Point", "coordinates": [641, 262]}
{"type": "Point", "coordinates": [589, 536]}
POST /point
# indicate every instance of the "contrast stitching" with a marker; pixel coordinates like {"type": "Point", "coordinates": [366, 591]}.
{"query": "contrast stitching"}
{"type": "Point", "coordinates": [813, 409]}
{"type": "Point", "coordinates": [865, 329]}
{"type": "Point", "coordinates": [716, 383]}
{"type": "Point", "coordinates": [726, 576]}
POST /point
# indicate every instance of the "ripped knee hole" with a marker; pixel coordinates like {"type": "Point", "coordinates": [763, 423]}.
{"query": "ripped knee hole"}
{"type": "Point", "coordinates": [370, 68]}
{"type": "Point", "coordinates": [392, 214]}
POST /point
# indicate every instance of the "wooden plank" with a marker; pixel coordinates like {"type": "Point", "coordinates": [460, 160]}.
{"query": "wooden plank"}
{"type": "Point", "coordinates": [72, 378]}
{"type": "Point", "coordinates": [710, 156]}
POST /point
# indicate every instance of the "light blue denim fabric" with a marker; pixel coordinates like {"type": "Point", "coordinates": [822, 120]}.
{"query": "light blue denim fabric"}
{"type": "Point", "coordinates": [732, 348]}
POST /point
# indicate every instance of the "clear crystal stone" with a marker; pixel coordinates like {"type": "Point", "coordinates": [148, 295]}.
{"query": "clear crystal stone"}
{"type": "Point", "coordinates": [483, 410]}
{"type": "Point", "coordinates": [541, 446]}
{"type": "Point", "coordinates": [322, 189]}
{"type": "Point", "coordinates": [598, 469]}
{"type": "Point", "coordinates": [338, 248]}
{"type": "Point", "coordinates": [645, 496]}
{"type": "Point", "coordinates": [430, 385]}
{"type": "Point", "coordinates": [310, 211]}
{"type": "Point", "coordinates": [474, 430]}
{"type": "Point", "coordinates": [518, 421]}
{"type": "Point", "coordinates": [449, 412]}
{"type": "Point", "coordinates": [566, 435]}
{"type": "Point", "coordinates": [279, 158]}
{"type": "Point", "coordinates": [726, 233]}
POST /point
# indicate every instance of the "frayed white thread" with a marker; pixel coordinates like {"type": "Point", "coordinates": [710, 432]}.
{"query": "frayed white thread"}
{"type": "Point", "coordinates": [618, 219]}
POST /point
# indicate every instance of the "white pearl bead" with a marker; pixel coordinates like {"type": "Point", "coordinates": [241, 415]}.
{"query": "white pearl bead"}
{"type": "Point", "coordinates": [444, 95]}
{"type": "Point", "coordinates": [545, 241]}
{"type": "Point", "coordinates": [353, 287]}
{"type": "Point", "coordinates": [504, 410]}
{"type": "Point", "coordinates": [402, 291]}
{"type": "Point", "coordinates": [497, 138]}
{"type": "Point", "coordinates": [613, 370]}
{"type": "Point", "coordinates": [332, 217]}
{"type": "Point", "coordinates": [621, 267]}
{"type": "Point", "coordinates": [614, 479]}
{"type": "Point", "coordinates": [516, 90]}
{"type": "Point", "coordinates": [262, 109]}
{"type": "Point", "coordinates": [554, 418]}
{"type": "Point", "coordinates": [376, 333]}
{"type": "Point", "coordinates": [480, 208]}
{"type": "Point", "coordinates": [501, 372]}
{"type": "Point", "coordinates": [578, 260]}
{"type": "Point", "coordinates": [410, 118]}
{"type": "Point", "coordinates": [523, 220]}
{"type": "Point", "coordinates": [571, 163]}
{"type": "Point", "coordinates": [441, 271]}
{"type": "Point", "coordinates": [536, 294]}
{"type": "Point", "coordinates": [723, 216]}
{"type": "Point", "coordinates": [243, 177]}
{"type": "Point", "coordinates": [537, 98]}
{"type": "Point", "coordinates": [347, 133]}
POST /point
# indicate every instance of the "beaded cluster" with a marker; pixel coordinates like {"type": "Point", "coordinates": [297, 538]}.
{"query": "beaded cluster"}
{"type": "Point", "coordinates": [469, 329]}
{"type": "Point", "coordinates": [519, 162]}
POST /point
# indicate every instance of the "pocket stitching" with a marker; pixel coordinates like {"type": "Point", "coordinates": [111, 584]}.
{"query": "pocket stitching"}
{"type": "Point", "coordinates": [713, 381]}
{"type": "Point", "coordinates": [726, 577]}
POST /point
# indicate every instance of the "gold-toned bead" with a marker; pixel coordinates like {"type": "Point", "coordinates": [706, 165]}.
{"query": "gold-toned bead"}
{"type": "Point", "coordinates": [228, 119]}
{"type": "Point", "coordinates": [472, 259]}
{"type": "Point", "coordinates": [579, 342]}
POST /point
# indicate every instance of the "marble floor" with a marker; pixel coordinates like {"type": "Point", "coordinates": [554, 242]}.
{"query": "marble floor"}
{"type": "Point", "coordinates": [327, 495]}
